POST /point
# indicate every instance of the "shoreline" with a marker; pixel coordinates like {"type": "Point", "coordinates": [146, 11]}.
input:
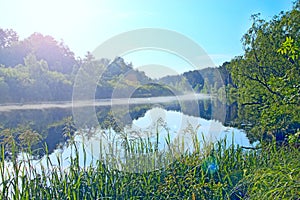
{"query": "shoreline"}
{"type": "Point", "coordinates": [100, 102]}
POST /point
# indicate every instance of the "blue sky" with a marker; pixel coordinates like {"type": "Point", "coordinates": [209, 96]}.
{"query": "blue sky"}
{"type": "Point", "coordinates": [215, 25]}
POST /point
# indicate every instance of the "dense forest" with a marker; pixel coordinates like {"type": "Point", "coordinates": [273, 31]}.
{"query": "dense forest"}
{"type": "Point", "coordinates": [39, 69]}
{"type": "Point", "coordinates": [267, 77]}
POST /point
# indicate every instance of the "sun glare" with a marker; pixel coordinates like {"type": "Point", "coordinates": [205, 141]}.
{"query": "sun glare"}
{"type": "Point", "coordinates": [69, 20]}
{"type": "Point", "coordinates": [56, 16]}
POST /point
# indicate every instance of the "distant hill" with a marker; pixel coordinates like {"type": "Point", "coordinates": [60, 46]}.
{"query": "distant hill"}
{"type": "Point", "coordinates": [121, 80]}
{"type": "Point", "coordinates": [188, 81]}
{"type": "Point", "coordinates": [207, 80]}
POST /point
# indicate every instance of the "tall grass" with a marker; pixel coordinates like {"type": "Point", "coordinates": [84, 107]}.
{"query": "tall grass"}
{"type": "Point", "coordinates": [212, 171]}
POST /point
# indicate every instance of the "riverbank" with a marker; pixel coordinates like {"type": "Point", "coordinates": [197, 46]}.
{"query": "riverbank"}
{"type": "Point", "coordinates": [216, 172]}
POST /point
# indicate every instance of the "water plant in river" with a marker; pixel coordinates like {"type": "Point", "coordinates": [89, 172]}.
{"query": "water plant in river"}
{"type": "Point", "coordinates": [211, 171]}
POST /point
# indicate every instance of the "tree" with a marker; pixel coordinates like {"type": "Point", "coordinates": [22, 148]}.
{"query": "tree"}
{"type": "Point", "coordinates": [267, 76]}
{"type": "Point", "coordinates": [58, 56]}
{"type": "Point", "coordinates": [12, 51]}
{"type": "Point", "coordinates": [7, 37]}
{"type": "Point", "coordinates": [206, 89]}
{"type": "Point", "coordinates": [194, 79]}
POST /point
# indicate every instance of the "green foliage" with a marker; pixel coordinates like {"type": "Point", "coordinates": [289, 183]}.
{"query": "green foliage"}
{"type": "Point", "coordinates": [20, 138]}
{"type": "Point", "coordinates": [33, 82]}
{"type": "Point", "coordinates": [56, 54]}
{"type": "Point", "coordinates": [268, 82]}
{"type": "Point", "coordinates": [212, 171]}
{"type": "Point", "coordinates": [39, 68]}
{"type": "Point", "coordinates": [294, 139]}
{"type": "Point", "coordinates": [191, 81]}
{"type": "Point", "coordinates": [7, 38]}
{"type": "Point", "coordinates": [277, 176]}
{"type": "Point", "coordinates": [290, 49]}
{"type": "Point", "coordinates": [154, 90]}
{"type": "Point", "coordinates": [206, 87]}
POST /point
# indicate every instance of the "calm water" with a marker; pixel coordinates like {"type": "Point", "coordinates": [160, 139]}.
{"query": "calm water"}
{"type": "Point", "coordinates": [209, 120]}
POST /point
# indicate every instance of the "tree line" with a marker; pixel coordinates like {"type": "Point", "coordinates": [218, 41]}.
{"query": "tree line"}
{"type": "Point", "coordinates": [266, 78]}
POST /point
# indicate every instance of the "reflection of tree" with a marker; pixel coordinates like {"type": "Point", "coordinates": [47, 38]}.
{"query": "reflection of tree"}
{"type": "Point", "coordinates": [34, 127]}
{"type": "Point", "coordinates": [19, 138]}
{"type": "Point", "coordinates": [55, 126]}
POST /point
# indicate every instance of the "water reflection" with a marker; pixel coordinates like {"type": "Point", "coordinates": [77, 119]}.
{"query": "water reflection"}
{"type": "Point", "coordinates": [55, 125]}
{"type": "Point", "coordinates": [160, 121]}
{"type": "Point", "coordinates": [156, 123]}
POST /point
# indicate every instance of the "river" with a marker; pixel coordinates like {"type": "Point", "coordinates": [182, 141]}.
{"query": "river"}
{"type": "Point", "coordinates": [177, 118]}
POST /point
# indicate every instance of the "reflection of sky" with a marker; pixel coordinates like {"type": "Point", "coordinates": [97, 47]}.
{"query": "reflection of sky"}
{"type": "Point", "coordinates": [177, 124]}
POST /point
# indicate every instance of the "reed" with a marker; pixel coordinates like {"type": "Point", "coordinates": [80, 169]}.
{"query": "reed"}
{"type": "Point", "coordinates": [211, 171]}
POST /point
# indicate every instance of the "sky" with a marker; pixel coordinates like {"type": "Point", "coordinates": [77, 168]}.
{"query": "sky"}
{"type": "Point", "coordinates": [217, 26]}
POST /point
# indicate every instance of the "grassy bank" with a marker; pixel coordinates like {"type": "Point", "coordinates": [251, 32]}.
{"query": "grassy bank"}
{"type": "Point", "coordinates": [212, 171]}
